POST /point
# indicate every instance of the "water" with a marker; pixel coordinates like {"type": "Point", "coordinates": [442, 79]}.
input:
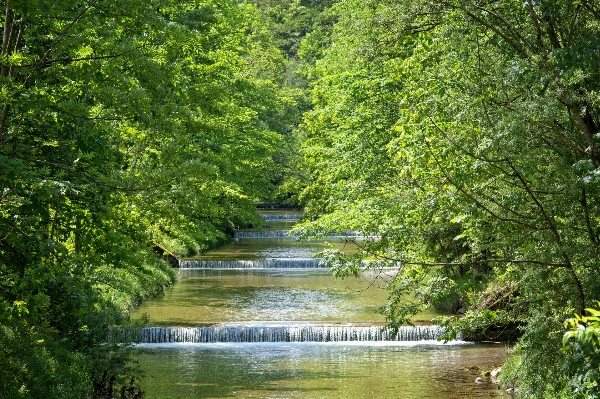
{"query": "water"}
{"type": "Point", "coordinates": [290, 332]}
{"type": "Point", "coordinates": [264, 234]}
{"type": "Point", "coordinates": [261, 318]}
{"type": "Point", "coordinates": [279, 216]}
{"type": "Point", "coordinates": [272, 263]}
{"type": "Point", "coordinates": [318, 371]}
{"type": "Point", "coordinates": [260, 249]}
{"type": "Point", "coordinates": [208, 296]}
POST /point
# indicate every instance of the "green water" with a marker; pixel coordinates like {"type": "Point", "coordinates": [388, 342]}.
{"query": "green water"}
{"type": "Point", "coordinates": [217, 296]}
{"type": "Point", "coordinates": [327, 371]}
{"type": "Point", "coordinates": [275, 225]}
{"type": "Point", "coordinates": [256, 249]}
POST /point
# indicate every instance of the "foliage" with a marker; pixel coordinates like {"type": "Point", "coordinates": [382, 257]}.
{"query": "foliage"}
{"type": "Point", "coordinates": [288, 23]}
{"type": "Point", "coordinates": [128, 130]}
{"type": "Point", "coordinates": [464, 135]}
{"type": "Point", "coordinates": [471, 326]}
{"type": "Point", "coordinates": [292, 20]}
{"type": "Point", "coordinates": [582, 341]}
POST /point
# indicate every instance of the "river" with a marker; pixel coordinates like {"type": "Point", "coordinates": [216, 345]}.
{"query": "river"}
{"type": "Point", "coordinates": [259, 318]}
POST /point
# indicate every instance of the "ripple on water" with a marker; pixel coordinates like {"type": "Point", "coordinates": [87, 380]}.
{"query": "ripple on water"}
{"type": "Point", "coordinates": [325, 371]}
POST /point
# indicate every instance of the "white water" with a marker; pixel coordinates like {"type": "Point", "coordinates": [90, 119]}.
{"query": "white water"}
{"type": "Point", "coordinates": [271, 263]}
{"type": "Point", "coordinates": [277, 216]}
{"type": "Point", "coordinates": [285, 333]}
{"type": "Point", "coordinates": [288, 234]}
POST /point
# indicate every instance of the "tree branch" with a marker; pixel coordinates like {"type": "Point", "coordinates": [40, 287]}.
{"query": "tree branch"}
{"type": "Point", "coordinates": [68, 60]}
{"type": "Point", "coordinates": [557, 238]}
{"type": "Point", "coordinates": [61, 36]}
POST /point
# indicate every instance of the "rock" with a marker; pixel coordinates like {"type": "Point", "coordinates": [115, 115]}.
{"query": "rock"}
{"type": "Point", "coordinates": [479, 380]}
{"type": "Point", "coordinates": [461, 311]}
{"type": "Point", "coordinates": [494, 374]}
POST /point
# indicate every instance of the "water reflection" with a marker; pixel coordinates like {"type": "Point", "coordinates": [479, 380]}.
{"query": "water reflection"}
{"type": "Point", "coordinates": [215, 296]}
{"type": "Point", "coordinates": [319, 371]}
{"type": "Point", "coordinates": [254, 249]}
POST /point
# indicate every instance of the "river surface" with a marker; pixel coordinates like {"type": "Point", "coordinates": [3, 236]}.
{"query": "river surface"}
{"type": "Point", "coordinates": [319, 370]}
{"type": "Point", "coordinates": [207, 296]}
{"type": "Point", "coordinates": [297, 296]}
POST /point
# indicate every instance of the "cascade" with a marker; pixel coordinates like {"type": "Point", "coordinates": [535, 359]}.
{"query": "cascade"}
{"type": "Point", "coordinates": [285, 333]}
{"type": "Point", "coordinates": [284, 300]}
{"type": "Point", "coordinates": [264, 234]}
{"type": "Point", "coordinates": [287, 234]}
{"type": "Point", "coordinates": [274, 216]}
{"type": "Point", "coordinates": [275, 263]}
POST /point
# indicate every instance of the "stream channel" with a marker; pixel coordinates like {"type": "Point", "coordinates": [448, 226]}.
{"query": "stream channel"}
{"type": "Point", "coordinates": [259, 318]}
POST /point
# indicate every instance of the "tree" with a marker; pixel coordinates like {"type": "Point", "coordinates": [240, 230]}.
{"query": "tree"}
{"type": "Point", "coordinates": [126, 128]}
{"type": "Point", "coordinates": [463, 134]}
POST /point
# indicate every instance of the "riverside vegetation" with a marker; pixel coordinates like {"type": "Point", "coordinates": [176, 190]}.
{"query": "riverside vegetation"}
{"type": "Point", "coordinates": [128, 130]}
{"type": "Point", "coordinates": [463, 134]}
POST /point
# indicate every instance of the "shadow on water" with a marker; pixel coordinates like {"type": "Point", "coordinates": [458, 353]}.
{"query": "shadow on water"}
{"type": "Point", "coordinates": [205, 296]}
{"type": "Point", "coordinates": [324, 371]}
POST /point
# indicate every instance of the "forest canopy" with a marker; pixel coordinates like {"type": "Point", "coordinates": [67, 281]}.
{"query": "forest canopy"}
{"type": "Point", "coordinates": [464, 134]}
{"type": "Point", "coordinates": [129, 130]}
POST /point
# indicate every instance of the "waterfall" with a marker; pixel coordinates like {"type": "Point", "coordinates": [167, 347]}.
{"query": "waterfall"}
{"type": "Point", "coordinates": [264, 234]}
{"type": "Point", "coordinates": [273, 216]}
{"type": "Point", "coordinates": [286, 234]}
{"type": "Point", "coordinates": [275, 263]}
{"type": "Point", "coordinates": [289, 333]}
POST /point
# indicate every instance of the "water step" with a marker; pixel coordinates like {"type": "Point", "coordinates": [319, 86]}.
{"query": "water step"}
{"type": "Point", "coordinates": [264, 234]}
{"type": "Point", "coordinates": [276, 216]}
{"type": "Point", "coordinates": [286, 234]}
{"type": "Point", "coordinates": [287, 333]}
{"type": "Point", "coordinates": [275, 263]}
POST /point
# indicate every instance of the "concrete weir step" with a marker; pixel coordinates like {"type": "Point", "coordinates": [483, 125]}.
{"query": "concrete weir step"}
{"type": "Point", "coordinates": [279, 216]}
{"type": "Point", "coordinates": [275, 263]}
{"type": "Point", "coordinates": [286, 333]}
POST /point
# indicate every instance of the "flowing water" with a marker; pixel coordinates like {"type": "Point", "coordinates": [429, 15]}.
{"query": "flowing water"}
{"type": "Point", "coordinates": [205, 296]}
{"type": "Point", "coordinates": [261, 318]}
{"type": "Point", "coordinates": [316, 370]}
{"type": "Point", "coordinates": [274, 248]}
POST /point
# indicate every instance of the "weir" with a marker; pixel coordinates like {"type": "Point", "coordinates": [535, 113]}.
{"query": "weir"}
{"type": "Point", "coordinates": [264, 234]}
{"type": "Point", "coordinates": [313, 334]}
{"type": "Point", "coordinates": [276, 216]}
{"type": "Point", "coordinates": [275, 263]}
{"type": "Point", "coordinates": [287, 234]}
{"type": "Point", "coordinates": [286, 333]}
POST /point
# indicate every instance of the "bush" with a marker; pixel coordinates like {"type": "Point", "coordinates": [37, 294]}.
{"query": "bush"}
{"type": "Point", "coordinates": [582, 341]}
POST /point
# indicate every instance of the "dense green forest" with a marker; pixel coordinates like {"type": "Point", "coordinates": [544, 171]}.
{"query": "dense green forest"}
{"type": "Point", "coordinates": [465, 135]}
{"type": "Point", "coordinates": [462, 134]}
{"type": "Point", "coordinates": [129, 130]}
